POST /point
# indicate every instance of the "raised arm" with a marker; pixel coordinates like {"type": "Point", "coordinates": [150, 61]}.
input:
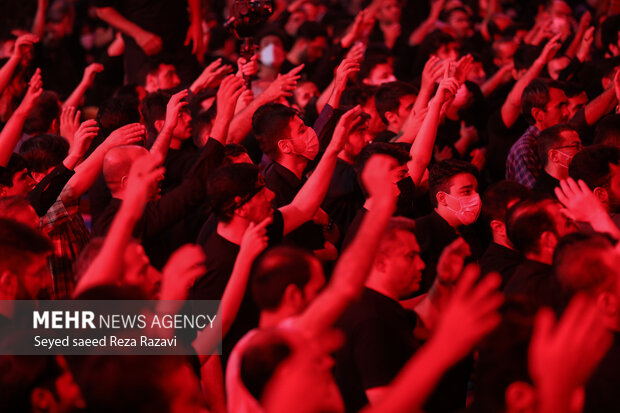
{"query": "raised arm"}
{"type": "Point", "coordinates": [12, 131]}
{"type": "Point", "coordinates": [194, 32]}
{"type": "Point", "coordinates": [309, 198]}
{"type": "Point", "coordinates": [227, 95]}
{"type": "Point", "coordinates": [351, 64]}
{"type": "Point", "coordinates": [512, 106]}
{"type": "Point", "coordinates": [173, 109]}
{"type": "Point", "coordinates": [210, 76]}
{"type": "Point", "coordinates": [149, 42]}
{"type": "Point", "coordinates": [22, 44]}
{"type": "Point", "coordinates": [427, 25]}
{"type": "Point", "coordinates": [107, 267]}
{"type": "Point", "coordinates": [86, 83]}
{"type": "Point", "coordinates": [354, 266]}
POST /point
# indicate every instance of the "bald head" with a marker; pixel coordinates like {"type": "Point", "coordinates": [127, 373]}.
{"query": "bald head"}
{"type": "Point", "coordinates": [117, 163]}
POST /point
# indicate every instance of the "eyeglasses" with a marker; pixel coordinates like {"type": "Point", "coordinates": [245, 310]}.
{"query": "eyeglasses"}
{"type": "Point", "coordinates": [576, 146]}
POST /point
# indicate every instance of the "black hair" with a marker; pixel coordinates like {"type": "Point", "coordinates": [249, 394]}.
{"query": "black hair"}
{"type": "Point", "coordinates": [591, 165]}
{"type": "Point", "coordinates": [496, 198]}
{"type": "Point", "coordinates": [270, 124]}
{"type": "Point", "coordinates": [608, 130]}
{"type": "Point", "coordinates": [16, 163]}
{"type": "Point", "coordinates": [45, 110]}
{"type": "Point", "coordinates": [609, 31]}
{"type": "Point", "coordinates": [441, 174]}
{"type": "Point", "coordinates": [44, 151]}
{"type": "Point", "coordinates": [526, 221]}
{"type": "Point", "coordinates": [550, 138]}
{"type": "Point", "coordinates": [388, 96]}
{"type": "Point", "coordinates": [536, 95]}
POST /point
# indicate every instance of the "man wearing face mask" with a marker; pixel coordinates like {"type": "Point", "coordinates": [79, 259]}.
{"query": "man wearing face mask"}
{"type": "Point", "coordinates": [291, 145]}
{"type": "Point", "coordinates": [453, 188]}
{"type": "Point", "coordinates": [556, 147]}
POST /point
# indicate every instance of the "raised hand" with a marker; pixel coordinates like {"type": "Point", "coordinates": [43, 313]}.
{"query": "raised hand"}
{"type": "Point", "coordinates": [470, 314]}
{"type": "Point", "coordinates": [211, 76]}
{"type": "Point", "coordinates": [345, 70]}
{"type": "Point", "coordinates": [451, 261]}
{"type": "Point", "coordinates": [144, 176]}
{"type": "Point", "coordinates": [174, 107]}
{"type": "Point", "coordinates": [247, 69]}
{"type": "Point", "coordinates": [343, 127]}
{"type": "Point", "coordinates": [227, 96]}
{"type": "Point", "coordinates": [90, 72]}
{"type": "Point", "coordinates": [35, 88]}
{"type": "Point", "coordinates": [126, 135]}
{"type": "Point", "coordinates": [183, 267]}
{"type": "Point", "coordinates": [284, 85]}
{"type": "Point", "coordinates": [255, 239]}
{"type": "Point", "coordinates": [194, 36]}
{"type": "Point", "coordinates": [69, 122]}
{"type": "Point", "coordinates": [149, 42]}
{"type": "Point", "coordinates": [550, 49]}
{"type": "Point", "coordinates": [586, 43]}
{"type": "Point", "coordinates": [83, 137]}
{"type": "Point", "coordinates": [463, 67]}
{"type": "Point", "coordinates": [563, 355]}
{"type": "Point", "coordinates": [579, 201]}
{"type": "Point", "coordinates": [378, 177]}
{"type": "Point", "coordinates": [447, 87]}
{"type": "Point", "coordinates": [433, 69]}
{"type": "Point", "coordinates": [23, 44]}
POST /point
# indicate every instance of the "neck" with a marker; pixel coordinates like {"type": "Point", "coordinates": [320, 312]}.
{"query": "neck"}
{"type": "Point", "coordinates": [175, 143]}
{"type": "Point", "coordinates": [345, 156]}
{"type": "Point", "coordinates": [502, 240]}
{"type": "Point", "coordinates": [542, 257]}
{"type": "Point", "coordinates": [233, 230]}
{"type": "Point", "coordinates": [296, 164]}
{"type": "Point", "coordinates": [452, 112]}
{"type": "Point", "coordinates": [374, 283]}
{"type": "Point", "coordinates": [293, 56]}
{"type": "Point", "coordinates": [448, 217]}
{"type": "Point", "coordinates": [539, 126]}
{"type": "Point", "coordinates": [556, 171]}
{"type": "Point", "coordinates": [393, 128]}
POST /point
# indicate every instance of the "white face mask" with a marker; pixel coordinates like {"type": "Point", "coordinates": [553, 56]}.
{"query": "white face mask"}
{"type": "Point", "coordinates": [311, 149]}
{"type": "Point", "coordinates": [392, 78]}
{"type": "Point", "coordinates": [268, 55]}
{"type": "Point", "coordinates": [469, 208]}
{"type": "Point", "coordinates": [566, 157]}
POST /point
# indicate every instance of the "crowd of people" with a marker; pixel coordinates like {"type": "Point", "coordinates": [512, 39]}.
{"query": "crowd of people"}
{"type": "Point", "coordinates": [401, 205]}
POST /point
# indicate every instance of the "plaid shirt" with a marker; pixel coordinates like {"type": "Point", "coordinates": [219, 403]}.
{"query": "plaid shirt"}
{"type": "Point", "coordinates": [66, 229]}
{"type": "Point", "coordinates": [523, 164]}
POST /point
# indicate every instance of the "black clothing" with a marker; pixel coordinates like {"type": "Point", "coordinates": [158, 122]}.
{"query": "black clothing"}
{"type": "Point", "coordinates": [178, 163]}
{"type": "Point", "coordinates": [384, 136]}
{"type": "Point", "coordinates": [434, 234]}
{"type": "Point", "coordinates": [344, 196]}
{"type": "Point", "coordinates": [602, 388]}
{"type": "Point", "coordinates": [501, 140]}
{"type": "Point", "coordinates": [545, 184]}
{"type": "Point", "coordinates": [353, 228]}
{"type": "Point", "coordinates": [535, 282]}
{"type": "Point", "coordinates": [285, 186]}
{"type": "Point", "coordinates": [502, 260]}
{"type": "Point", "coordinates": [43, 196]}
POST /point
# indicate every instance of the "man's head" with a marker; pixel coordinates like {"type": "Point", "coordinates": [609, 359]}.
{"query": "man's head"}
{"type": "Point", "coordinates": [116, 112]}
{"type": "Point", "coordinates": [588, 263]}
{"type": "Point", "coordinates": [376, 69]}
{"type": "Point", "coordinates": [15, 178]}
{"type": "Point", "coordinates": [503, 51]}
{"type": "Point", "coordinates": [535, 225]}
{"type": "Point", "coordinates": [599, 167]}
{"type": "Point", "coordinates": [396, 151]}
{"type": "Point", "coordinates": [357, 139]}
{"type": "Point", "coordinates": [272, 53]}
{"type": "Point", "coordinates": [524, 56]}
{"type": "Point", "coordinates": [557, 146]}
{"type": "Point", "coordinates": [238, 191]}
{"type": "Point", "coordinates": [23, 261]}
{"type": "Point", "coordinates": [459, 23]}
{"type": "Point", "coordinates": [154, 114]}
{"type": "Point", "coordinates": [398, 266]}
{"type": "Point", "coordinates": [311, 42]}
{"type": "Point", "coordinates": [609, 35]}
{"type": "Point", "coordinates": [608, 131]}
{"type": "Point", "coordinates": [389, 12]}
{"type": "Point", "coordinates": [43, 153]}
{"type": "Point", "coordinates": [117, 164]}
{"type": "Point", "coordinates": [276, 358]}
{"type": "Point", "coordinates": [453, 187]}
{"type": "Point", "coordinates": [577, 98]}
{"type": "Point", "coordinates": [544, 104]}
{"type": "Point", "coordinates": [394, 101]}
{"type": "Point", "coordinates": [44, 116]}
{"type": "Point", "coordinates": [364, 95]}
{"type": "Point", "coordinates": [441, 44]}
{"type": "Point", "coordinates": [496, 201]}
{"type": "Point", "coordinates": [159, 75]}
{"type": "Point", "coordinates": [282, 133]}
{"type": "Point", "coordinates": [286, 279]}
{"type": "Point", "coordinates": [19, 209]}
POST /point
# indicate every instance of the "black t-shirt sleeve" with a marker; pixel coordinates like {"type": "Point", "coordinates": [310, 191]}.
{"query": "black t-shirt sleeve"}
{"type": "Point", "coordinates": [377, 353]}
{"type": "Point", "coordinates": [275, 231]}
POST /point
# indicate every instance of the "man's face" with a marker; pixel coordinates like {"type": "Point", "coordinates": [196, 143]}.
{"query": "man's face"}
{"type": "Point", "coordinates": [614, 189]}
{"type": "Point", "coordinates": [459, 23]}
{"type": "Point", "coordinates": [556, 110]}
{"type": "Point", "coordinates": [448, 52]}
{"type": "Point", "coordinates": [259, 206]}
{"type": "Point", "coordinates": [563, 224]}
{"type": "Point", "coordinates": [303, 139]}
{"type": "Point", "coordinates": [304, 92]}
{"type": "Point", "coordinates": [356, 141]}
{"type": "Point", "coordinates": [139, 271]}
{"type": "Point", "coordinates": [183, 130]}
{"type": "Point", "coordinates": [315, 49]}
{"type": "Point", "coordinates": [167, 77]}
{"type": "Point", "coordinates": [504, 53]}
{"type": "Point", "coordinates": [566, 149]}
{"type": "Point", "coordinates": [576, 102]}
{"type": "Point", "coordinates": [403, 265]}
{"type": "Point", "coordinates": [22, 184]}
{"type": "Point", "coordinates": [294, 21]}
{"type": "Point", "coordinates": [36, 277]}
{"type": "Point", "coordinates": [389, 12]}
{"type": "Point", "coordinates": [380, 74]}
{"type": "Point", "coordinates": [375, 124]}
{"type": "Point", "coordinates": [272, 51]}
{"type": "Point", "coordinates": [405, 105]}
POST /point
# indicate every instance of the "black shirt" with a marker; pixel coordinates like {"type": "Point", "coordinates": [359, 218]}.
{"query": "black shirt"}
{"type": "Point", "coordinates": [498, 258]}
{"type": "Point", "coordinates": [344, 196]}
{"type": "Point", "coordinates": [546, 184]}
{"type": "Point", "coordinates": [285, 186]}
{"type": "Point", "coordinates": [535, 282]}
{"type": "Point", "coordinates": [602, 389]}
{"type": "Point", "coordinates": [501, 140]}
{"type": "Point", "coordinates": [385, 136]}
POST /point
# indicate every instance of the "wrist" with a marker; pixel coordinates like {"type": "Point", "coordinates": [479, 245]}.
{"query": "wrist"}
{"type": "Point", "coordinates": [71, 161]}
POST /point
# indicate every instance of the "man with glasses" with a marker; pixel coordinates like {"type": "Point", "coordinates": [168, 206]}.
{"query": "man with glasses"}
{"type": "Point", "coordinates": [557, 146]}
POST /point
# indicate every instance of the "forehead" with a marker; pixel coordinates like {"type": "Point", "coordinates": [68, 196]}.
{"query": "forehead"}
{"type": "Point", "coordinates": [463, 180]}
{"type": "Point", "coordinates": [166, 68]}
{"type": "Point", "coordinates": [556, 94]}
{"type": "Point", "coordinates": [570, 136]}
{"type": "Point", "coordinates": [406, 241]}
{"type": "Point", "coordinates": [267, 40]}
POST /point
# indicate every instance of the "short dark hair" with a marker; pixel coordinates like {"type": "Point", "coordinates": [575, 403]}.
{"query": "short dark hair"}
{"type": "Point", "coordinates": [16, 163]}
{"type": "Point", "coordinates": [371, 60]}
{"type": "Point", "coordinates": [357, 95]}
{"type": "Point", "coordinates": [577, 263]}
{"type": "Point", "coordinates": [550, 138]}
{"type": "Point", "coordinates": [265, 351]}
{"type": "Point", "coordinates": [270, 124]}
{"type": "Point", "coordinates": [154, 109]}
{"type": "Point", "coordinates": [496, 198]}
{"type": "Point", "coordinates": [275, 270]}
{"type": "Point", "coordinates": [591, 165]}
{"type": "Point", "coordinates": [525, 55]}
{"type": "Point", "coordinates": [310, 31]}
{"type": "Point", "coordinates": [395, 225]}
{"type": "Point", "coordinates": [526, 221]}
{"type": "Point", "coordinates": [43, 113]}
{"type": "Point", "coordinates": [536, 95]}
{"type": "Point", "coordinates": [44, 151]}
{"type": "Point", "coordinates": [395, 150]}
{"type": "Point", "coordinates": [387, 98]}
{"type": "Point", "coordinates": [441, 174]}
{"type": "Point", "coordinates": [227, 183]}
{"type": "Point", "coordinates": [609, 31]}
{"type": "Point", "coordinates": [18, 242]}
{"type": "Point", "coordinates": [608, 130]}
{"type": "Point", "coordinates": [116, 112]}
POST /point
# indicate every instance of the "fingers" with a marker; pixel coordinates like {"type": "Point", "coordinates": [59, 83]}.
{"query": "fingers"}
{"type": "Point", "coordinates": [294, 71]}
{"type": "Point", "coordinates": [77, 116]}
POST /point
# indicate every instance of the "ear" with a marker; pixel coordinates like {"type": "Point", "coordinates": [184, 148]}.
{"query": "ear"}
{"type": "Point", "coordinates": [284, 146]}
{"type": "Point", "coordinates": [41, 400]}
{"type": "Point", "coordinates": [124, 182]}
{"type": "Point", "coordinates": [498, 227]}
{"type": "Point", "coordinates": [602, 195]}
{"type": "Point", "coordinates": [607, 304]}
{"type": "Point", "coordinates": [54, 127]}
{"type": "Point", "coordinates": [8, 285]}
{"type": "Point", "coordinates": [552, 155]}
{"type": "Point", "coordinates": [441, 198]}
{"type": "Point", "coordinates": [159, 124]}
{"type": "Point", "coordinates": [292, 296]}
{"type": "Point", "coordinates": [391, 117]}
{"type": "Point", "coordinates": [537, 114]}
{"type": "Point", "coordinates": [549, 240]}
{"type": "Point", "coordinates": [520, 397]}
